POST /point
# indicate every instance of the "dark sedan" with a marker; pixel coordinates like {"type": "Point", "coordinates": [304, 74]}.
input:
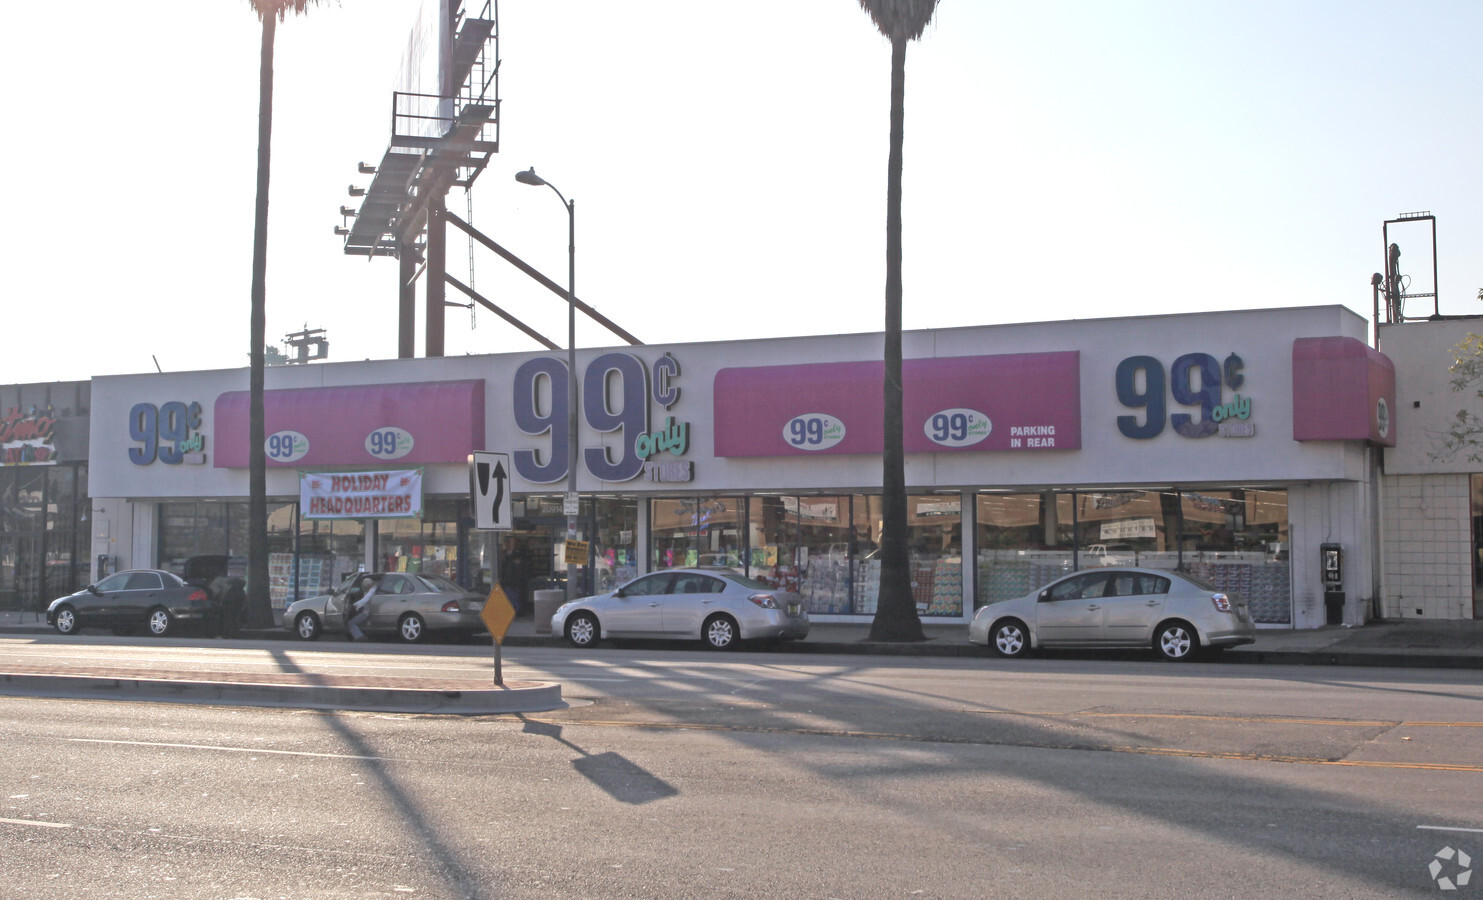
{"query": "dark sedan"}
{"type": "Point", "coordinates": [153, 599]}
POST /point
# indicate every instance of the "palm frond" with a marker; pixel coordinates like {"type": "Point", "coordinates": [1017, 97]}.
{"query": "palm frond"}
{"type": "Point", "coordinates": [281, 8]}
{"type": "Point", "coordinates": [900, 20]}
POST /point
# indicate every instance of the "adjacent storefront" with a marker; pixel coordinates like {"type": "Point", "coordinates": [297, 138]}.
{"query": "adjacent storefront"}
{"type": "Point", "coordinates": [44, 541]}
{"type": "Point", "coordinates": [1216, 442]}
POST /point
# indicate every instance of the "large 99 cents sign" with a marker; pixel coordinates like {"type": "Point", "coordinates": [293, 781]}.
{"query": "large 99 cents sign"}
{"type": "Point", "coordinates": [616, 392]}
{"type": "Point", "coordinates": [1195, 380]}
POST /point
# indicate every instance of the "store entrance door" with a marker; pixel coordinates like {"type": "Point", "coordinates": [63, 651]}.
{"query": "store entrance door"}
{"type": "Point", "coordinates": [533, 560]}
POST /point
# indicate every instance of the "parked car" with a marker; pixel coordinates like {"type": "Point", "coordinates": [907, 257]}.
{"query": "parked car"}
{"type": "Point", "coordinates": [152, 599]}
{"type": "Point", "coordinates": [717, 606]}
{"type": "Point", "coordinates": [228, 592]}
{"type": "Point", "coordinates": [406, 605]}
{"type": "Point", "coordinates": [1172, 612]}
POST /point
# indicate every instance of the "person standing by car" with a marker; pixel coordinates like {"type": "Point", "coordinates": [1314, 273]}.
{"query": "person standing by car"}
{"type": "Point", "coordinates": [362, 608]}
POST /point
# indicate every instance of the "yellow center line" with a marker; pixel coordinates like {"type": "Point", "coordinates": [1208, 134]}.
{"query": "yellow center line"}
{"type": "Point", "coordinates": [1277, 720]}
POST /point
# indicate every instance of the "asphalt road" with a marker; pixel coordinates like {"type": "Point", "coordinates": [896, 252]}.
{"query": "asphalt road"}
{"type": "Point", "coordinates": [679, 774]}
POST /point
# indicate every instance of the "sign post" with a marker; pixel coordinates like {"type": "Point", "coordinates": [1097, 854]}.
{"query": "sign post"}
{"type": "Point", "coordinates": [497, 616]}
{"type": "Point", "coordinates": [489, 491]}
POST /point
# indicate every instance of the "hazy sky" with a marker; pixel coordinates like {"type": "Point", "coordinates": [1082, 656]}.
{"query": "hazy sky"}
{"type": "Point", "coordinates": [728, 161]}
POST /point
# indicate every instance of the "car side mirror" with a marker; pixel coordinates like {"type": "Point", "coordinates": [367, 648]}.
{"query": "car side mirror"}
{"type": "Point", "coordinates": [620, 593]}
{"type": "Point", "coordinates": [1044, 595]}
{"type": "Point", "coordinates": [93, 589]}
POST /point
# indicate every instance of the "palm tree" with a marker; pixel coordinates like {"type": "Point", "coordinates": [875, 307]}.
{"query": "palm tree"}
{"type": "Point", "coordinates": [896, 613]}
{"type": "Point", "coordinates": [259, 610]}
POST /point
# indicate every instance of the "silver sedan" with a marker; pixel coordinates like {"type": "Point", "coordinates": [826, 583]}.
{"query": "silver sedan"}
{"type": "Point", "coordinates": [1172, 612]}
{"type": "Point", "coordinates": [716, 605]}
{"type": "Point", "coordinates": [405, 605]}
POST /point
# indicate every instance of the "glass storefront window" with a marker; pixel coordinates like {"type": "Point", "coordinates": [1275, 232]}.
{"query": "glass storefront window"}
{"type": "Point", "coordinates": [822, 551]}
{"type": "Point", "coordinates": [615, 545]}
{"type": "Point", "coordinates": [1023, 541]}
{"type": "Point", "coordinates": [772, 533]}
{"type": "Point", "coordinates": [721, 529]}
{"type": "Point", "coordinates": [428, 545]}
{"type": "Point", "coordinates": [673, 532]}
{"type": "Point", "coordinates": [1238, 541]}
{"type": "Point", "coordinates": [329, 550]}
{"type": "Point", "coordinates": [1127, 528]}
{"type": "Point", "coordinates": [934, 535]}
{"type": "Point", "coordinates": [865, 533]}
{"type": "Point", "coordinates": [211, 528]}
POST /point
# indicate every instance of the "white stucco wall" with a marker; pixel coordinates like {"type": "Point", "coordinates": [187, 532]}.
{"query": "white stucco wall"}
{"type": "Point", "coordinates": [1427, 530]}
{"type": "Point", "coordinates": [1329, 482]}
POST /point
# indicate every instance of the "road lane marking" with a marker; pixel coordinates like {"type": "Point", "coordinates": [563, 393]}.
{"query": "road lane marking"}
{"type": "Point", "coordinates": [1271, 720]}
{"type": "Point", "coordinates": [34, 822]}
{"type": "Point", "coordinates": [226, 749]}
{"type": "Point", "coordinates": [1449, 828]}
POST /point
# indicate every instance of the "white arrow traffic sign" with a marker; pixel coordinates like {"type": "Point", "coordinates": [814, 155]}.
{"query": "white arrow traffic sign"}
{"type": "Point", "coordinates": [489, 486]}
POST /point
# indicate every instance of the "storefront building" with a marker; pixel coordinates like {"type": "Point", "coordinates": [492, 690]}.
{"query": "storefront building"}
{"type": "Point", "coordinates": [44, 541]}
{"type": "Point", "coordinates": [1218, 442]}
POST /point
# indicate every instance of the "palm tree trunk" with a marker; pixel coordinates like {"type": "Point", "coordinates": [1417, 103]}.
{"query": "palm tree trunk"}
{"type": "Point", "coordinates": [259, 611]}
{"type": "Point", "coordinates": [896, 612]}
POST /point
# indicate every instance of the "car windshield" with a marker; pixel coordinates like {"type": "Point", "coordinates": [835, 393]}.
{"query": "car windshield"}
{"type": "Point", "coordinates": [438, 585]}
{"type": "Point", "coordinates": [746, 582]}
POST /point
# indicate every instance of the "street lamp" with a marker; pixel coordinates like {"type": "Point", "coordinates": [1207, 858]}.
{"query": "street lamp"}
{"type": "Point", "coordinates": [529, 176]}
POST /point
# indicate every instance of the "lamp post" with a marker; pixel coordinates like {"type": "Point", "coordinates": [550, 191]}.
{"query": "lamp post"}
{"type": "Point", "coordinates": [529, 176]}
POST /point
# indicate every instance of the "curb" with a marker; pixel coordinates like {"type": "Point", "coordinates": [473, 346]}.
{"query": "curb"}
{"type": "Point", "coordinates": [515, 696]}
{"type": "Point", "coordinates": [937, 648]}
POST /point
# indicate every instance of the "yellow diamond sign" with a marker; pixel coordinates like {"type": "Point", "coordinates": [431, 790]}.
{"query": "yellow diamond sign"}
{"type": "Point", "coordinates": [497, 613]}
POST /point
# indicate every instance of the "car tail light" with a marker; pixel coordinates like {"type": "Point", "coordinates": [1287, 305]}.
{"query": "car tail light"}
{"type": "Point", "coordinates": [198, 597]}
{"type": "Point", "coordinates": [450, 606]}
{"type": "Point", "coordinates": [1221, 601]}
{"type": "Point", "coordinates": [764, 600]}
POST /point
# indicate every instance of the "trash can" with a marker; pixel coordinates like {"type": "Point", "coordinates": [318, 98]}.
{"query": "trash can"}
{"type": "Point", "coordinates": [1333, 603]}
{"type": "Point", "coordinates": [545, 607]}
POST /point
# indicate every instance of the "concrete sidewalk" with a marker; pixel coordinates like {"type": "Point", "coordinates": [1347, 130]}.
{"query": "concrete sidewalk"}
{"type": "Point", "coordinates": [1402, 643]}
{"type": "Point", "coordinates": [1409, 643]}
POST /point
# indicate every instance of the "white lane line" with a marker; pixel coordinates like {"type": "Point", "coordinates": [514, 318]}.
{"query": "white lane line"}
{"type": "Point", "coordinates": [34, 822]}
{"type": "Point", "coordinates": [225, 749]}
{"type": "Point", "coordinates": [1449, 828]}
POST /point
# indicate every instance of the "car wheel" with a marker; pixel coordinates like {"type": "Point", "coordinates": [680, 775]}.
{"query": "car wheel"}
{"type": "Point", "coordinates": [581, 629]}
{"type": "Point", "coordinates": [307, 626]}
{"type": "Point", "coordinates": [66, 620]}
{"type": "Point", "coordinates": [160, 622]}
{"type": "Point", "coordinates": [1009, 638]}
{"type": "Point", "coordinates": [411, 628]}
{"type": "Point", "coordinates": [1176, 641]}
{"type": "Point", "coordinates": [719, 632]}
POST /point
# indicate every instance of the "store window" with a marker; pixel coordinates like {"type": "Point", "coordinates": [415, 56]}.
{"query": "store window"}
{"type": "Point", "coordinates": [1235, 538]}
{"type": "Point", "coordinates": [213, 528]}
{"type": "Point", "coordinates": [673, 532]}
{"type": "Point", "coordinates": [428, 545]}
{"type": "Point", "coordinates": [1124, 528]}
{"type": "Point", "coordinates": [615, 541]}
{"type": "Point", "coordinates": [1023, 541]}
{"type": "Point", "coordinates": [1238, 540]}
{"type": "Point", "coordinates": [821, 526]}
{"type": "Point", "coordinates": [329, 550]}
{"type": "Point", "coordinates": [935, 537]}
{"type": "Point", "coordinates": [772, 533]}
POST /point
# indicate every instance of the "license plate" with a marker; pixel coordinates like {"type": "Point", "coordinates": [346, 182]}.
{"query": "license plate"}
{"type": "Point", "coordinates": [793, 609]}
